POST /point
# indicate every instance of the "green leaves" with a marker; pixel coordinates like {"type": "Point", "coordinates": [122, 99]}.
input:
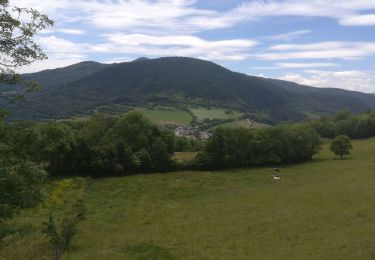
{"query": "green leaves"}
{"type": "Point", "coordinates": [18, 27]}
{"type": "Point", "coordinates": [20, 186]}
{"type": "Point", "coordinates": [341, 145]}
{"type": "Point", "coordinates": [231, 147]}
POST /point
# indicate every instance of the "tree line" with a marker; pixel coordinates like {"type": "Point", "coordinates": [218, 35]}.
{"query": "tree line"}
{"type": "Point", "coordinates": [129, 144]}
{"type": "Point", "coordinates": [345, 123]}
{"type": "Point", "coordinates": [98, 146]}
{"type": "Point", "coordinates": [239, 147]}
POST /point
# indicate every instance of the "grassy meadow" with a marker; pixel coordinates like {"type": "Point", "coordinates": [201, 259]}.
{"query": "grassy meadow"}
{"type": "Point", "coordinates": [213, 113]}
{"type": "Point", "coordinates": [241, 123]}
{"type": "Point", "coordinates": [322, 209]}
{"type": "Point", "coordinates": [185, 156]}
{"type": "Point", "coordinates": [166, 115]}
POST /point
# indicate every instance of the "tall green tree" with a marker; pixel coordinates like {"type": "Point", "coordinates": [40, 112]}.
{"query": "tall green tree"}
{"type": "Point", "coordinates": [20, 180]}
{"type": "Point", "coordinates": [341, 145]}
{"type": "Point", "coordinates": [18, 27]}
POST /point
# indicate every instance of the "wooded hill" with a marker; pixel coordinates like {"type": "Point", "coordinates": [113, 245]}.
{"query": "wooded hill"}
{"type": "Point", "coordinates": [175, 81]}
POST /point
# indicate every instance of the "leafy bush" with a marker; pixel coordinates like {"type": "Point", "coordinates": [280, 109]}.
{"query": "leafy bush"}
{"type": "Point", "coordinates": [20, 187]}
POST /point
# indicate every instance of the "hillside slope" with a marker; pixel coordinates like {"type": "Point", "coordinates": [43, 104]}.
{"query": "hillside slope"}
{"type": "Point", "coordinates": [177, 81]}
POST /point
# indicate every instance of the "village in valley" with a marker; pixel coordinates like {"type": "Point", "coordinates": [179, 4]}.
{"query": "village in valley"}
{"type": "Point", "coordinates": [194, 131]}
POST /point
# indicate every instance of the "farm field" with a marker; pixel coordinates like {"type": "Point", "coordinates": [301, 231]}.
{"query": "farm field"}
{"type": "Point", "coordinates": [322, 209]}
{"type": "Point", "coordinates": [213, 113]}
{"type": "Point", "coordinates": [166, 115]}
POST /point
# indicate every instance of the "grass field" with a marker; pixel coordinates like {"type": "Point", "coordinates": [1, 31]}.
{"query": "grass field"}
{"type": "Point", "coordinates": [166, 116]}
{"type": "Point", "coordinates": [323, 209]}
{"type": "Point", "coordinates": [213, 113]}
{"type": "Point", "coordinates": [241, 123]}
{"type": "Point", "coordinates": [185, 156]}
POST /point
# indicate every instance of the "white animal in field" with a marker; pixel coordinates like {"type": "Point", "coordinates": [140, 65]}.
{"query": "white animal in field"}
{"type": "Point", "coordinates": [276, 176]}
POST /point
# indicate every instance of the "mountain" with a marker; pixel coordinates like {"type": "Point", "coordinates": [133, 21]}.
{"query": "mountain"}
{"type": "Point", "coordinates": [179, 82]}
{"type": "Point", "coordinates": [327, 99]}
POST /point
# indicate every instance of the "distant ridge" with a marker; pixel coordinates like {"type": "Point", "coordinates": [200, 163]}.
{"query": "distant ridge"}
{"type": "Point", "coordinates": [141, 59]}
{"type": "Point", "coordinates": [180, 82]}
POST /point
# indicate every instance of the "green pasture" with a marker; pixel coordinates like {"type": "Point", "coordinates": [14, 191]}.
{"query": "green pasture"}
{"type": "Point", "coordinates": [322, 209]}
{"type": "Point", "coordinates": [214, 113]}
{"type": "Point", "coordinates": [166, 115]}
{"type": "Point", "coordinates": [241, 123]}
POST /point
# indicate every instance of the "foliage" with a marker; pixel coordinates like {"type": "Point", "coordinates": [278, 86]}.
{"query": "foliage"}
{"type": "Point", "coordinates": [345, 123]}
{"type": "Point", "coordinates": [18, 27]}
{"type": "Point", "coordinates": [20, 186]}
{"type": "Point", "coordinates": [238, 147]}
{"type": "Point", "coordinates": [98, 146]}
{"type": "Point", "coordinates": [67, 194]}
{"type": "Point", "coordinates": [20, 180]}
{"type": "Point", "coordinates": [186, 144]}
{"type": "Point", "coordinates": [63, 200]}
{"type": "Point", "coordinates": [60, 240]}
{"type": "Point", "coordinates": [341, 145]}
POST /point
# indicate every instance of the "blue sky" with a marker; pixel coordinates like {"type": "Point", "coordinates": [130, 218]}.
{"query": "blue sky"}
{"type": "Point", "coordinates": [323, 43]}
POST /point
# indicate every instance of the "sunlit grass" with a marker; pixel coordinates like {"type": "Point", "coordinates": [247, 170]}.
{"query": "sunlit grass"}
{"type": "Point", "coordinates": [166, 116]}
{"type": "Point", "coordinates": [321, 209]}
{"type": "Point", "coordinates": [241, 123]}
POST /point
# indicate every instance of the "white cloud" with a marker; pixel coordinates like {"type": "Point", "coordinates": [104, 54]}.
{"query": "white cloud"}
{"type": "Point", "coordinates": [63, 30]}
{"type": "Point", "coordinates": [350, 80]}
{"type": "Point", "coordinates": [50, 63]}
{"type": "Point", "coordinates": [59, 47]}
{"type": "Point", "coordinates": [289, 36]}
{"type": "Point", "coordinates": [324, 46]}
{"type": "Point", "coordinates": [169, 28]}
{"type": "Point", "coordinates": [306, 65]}
{"type": "Point", "coordinates": [320, 50]}
{"type": "Point", "coordinates": [118, 60]}
{"type": "Point", "coordinates": [60, 53]}
{"type": "Point", "coordinates": [359, 20]}
{"type": "Point", "coordinates": [177, 45]}
{"type": "Point", "coordinates": [340, 10]}
{"type": "Point", "coordinates": [71, 31]}
{"type": "Point", "coordinates": [162, 16]}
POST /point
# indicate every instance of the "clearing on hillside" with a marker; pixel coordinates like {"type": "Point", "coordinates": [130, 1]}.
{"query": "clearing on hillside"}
{"type": "Point", "coordinates": [241, 123]}
{"type": "Point", "coordinates": [214, 113]}
{"type": "Point", "coordinates": [166, 116]}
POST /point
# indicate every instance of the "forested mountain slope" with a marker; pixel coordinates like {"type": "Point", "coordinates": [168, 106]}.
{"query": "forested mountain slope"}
{"type": "Point", "coordinates": [177, 81]}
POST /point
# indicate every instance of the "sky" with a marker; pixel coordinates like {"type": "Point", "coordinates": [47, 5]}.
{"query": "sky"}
{"type": "Point", "coordinates": [321, 43]}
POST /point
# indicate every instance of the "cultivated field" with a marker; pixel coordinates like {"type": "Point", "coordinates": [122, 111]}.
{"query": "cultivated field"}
{"type": "Point", "coordinates": [323, 209]}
